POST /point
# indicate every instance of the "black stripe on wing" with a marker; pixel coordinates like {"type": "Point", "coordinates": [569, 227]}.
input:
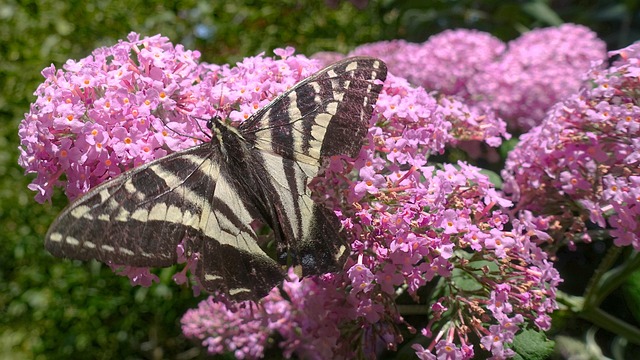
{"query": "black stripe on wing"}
{"type": "Point", "coordinates": [139, 217]}
{"type": "Point", "coordinates": [324, 115]}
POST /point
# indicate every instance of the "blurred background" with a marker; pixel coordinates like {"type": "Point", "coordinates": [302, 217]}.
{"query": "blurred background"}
{"type": "Point", "coordinates": [52, 309]}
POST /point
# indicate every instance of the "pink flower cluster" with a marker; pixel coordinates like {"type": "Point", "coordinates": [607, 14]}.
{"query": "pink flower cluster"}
{"type": "Point", "coordinates": [305, 315]}
{"type": "Point", "coordinates": [134, 102]}
{"type": "Point", "coordinates": [236, 328]}
{"type": "Point", "coordinates": [520, 80]}
{"type": "Point", "coordinates": [446, 62]}
{"type": "Point", "coordinates": [583, 162]}
{"type": "Point", "coordinates": [412, 225]}
{"type": "Point", "coordinates": [540, 68]}
{"type": "Point", "coordinates": [107, 113]}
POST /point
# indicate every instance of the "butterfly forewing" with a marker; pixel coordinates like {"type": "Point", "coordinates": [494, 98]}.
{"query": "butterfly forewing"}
{"type": "Point", "coordinates": [336, 101]}
{"type": "Point", "coordinates": [207, 197]}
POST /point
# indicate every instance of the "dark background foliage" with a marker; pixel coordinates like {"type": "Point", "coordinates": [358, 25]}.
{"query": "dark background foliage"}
{"type": "Point", "coordinates": [50, 308]}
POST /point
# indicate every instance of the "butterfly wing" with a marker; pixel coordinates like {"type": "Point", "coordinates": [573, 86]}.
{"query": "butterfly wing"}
{"type": "Point", "coordinates": [140, 217]}
{"type": "Point", "coordinates": [324, 115]}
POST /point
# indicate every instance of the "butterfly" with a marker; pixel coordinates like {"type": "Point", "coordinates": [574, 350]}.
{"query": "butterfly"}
{"type": "Point", "coordinates": [207, 197]}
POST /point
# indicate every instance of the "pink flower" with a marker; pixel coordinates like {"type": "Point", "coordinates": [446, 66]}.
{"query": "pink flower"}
{"type": "Point", "coordinates": [519, 81]}
{"type": "Point", "coordinates": [572, 153]}
{"type": "Point", "coordinates": [537, 70]}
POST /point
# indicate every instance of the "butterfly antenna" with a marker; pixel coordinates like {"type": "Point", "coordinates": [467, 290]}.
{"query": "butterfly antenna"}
{"type": "Point", "coordinates": [209, 122]}
{"type": "Point", "coordinates": [220, 110]}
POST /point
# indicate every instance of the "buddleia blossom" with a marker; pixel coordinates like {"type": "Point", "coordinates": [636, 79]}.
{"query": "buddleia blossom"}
{"type": "Point", "coordinates": [304, 315]}
{"type": "Point", "coordinates": [97, 117]}
{"type": "Point", "coordinates": [394, 54]}
{"type": "Point", "coordinates": [233, 327]}
{"type": "Point", "coordinates": [412, 225]}
{"type": "Point", "coordinates": [134, 102]}
{"type": "Point", "coordinates": [424, 224]}
{"type": "Point", "coordinates": [467, 121]}
{"type": "Point", "coordinates": [472, 123]}
{"type": "Point", "coordinates": [539, 68]}
{"type": "Point", "coordinates": [519, 81]}
{"type": "Point", "coordinates": [445, 62]}
{"type": "Point", "coordinates": [583, 162]}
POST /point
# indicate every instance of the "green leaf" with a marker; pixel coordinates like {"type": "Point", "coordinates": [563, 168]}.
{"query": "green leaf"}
{"type": "Point", "coordinates": [632, 294]}
{"type": "Point", "coordinates": [532, 345]}
{"type": "Point", "coordinates": [507, 146]}
{"type": "Point", "coordinates": [542, 12]}
{"type": "Point", "coordinates": [494, 178]}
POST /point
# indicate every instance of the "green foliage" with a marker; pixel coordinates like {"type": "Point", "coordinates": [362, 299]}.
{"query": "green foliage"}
{"type": "Point", "coordinates": [615, 22]}
{"type": "Point", "coordinates": [532, 345]}
{"type": "Point", "coordinates": [632, 293]}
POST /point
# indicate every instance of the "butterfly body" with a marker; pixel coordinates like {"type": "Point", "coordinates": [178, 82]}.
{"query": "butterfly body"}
{"type": "Point", "coordinates": [209, 196]}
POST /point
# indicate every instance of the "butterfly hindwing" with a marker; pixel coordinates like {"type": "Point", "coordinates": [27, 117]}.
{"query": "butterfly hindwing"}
{"type": "Point", "coordinates": [139, 217]}
{"type": "Point", "coordinates": [208, 197]}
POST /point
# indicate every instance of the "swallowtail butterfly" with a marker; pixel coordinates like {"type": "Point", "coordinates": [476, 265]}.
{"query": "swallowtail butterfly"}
{"type": "Point", "coordinates": [212, 193]}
